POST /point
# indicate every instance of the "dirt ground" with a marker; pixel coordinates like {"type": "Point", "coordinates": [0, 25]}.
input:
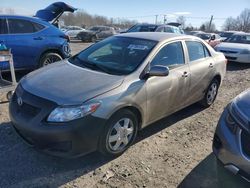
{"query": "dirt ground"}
{"type": "Point", "coordinates": [173, 152]}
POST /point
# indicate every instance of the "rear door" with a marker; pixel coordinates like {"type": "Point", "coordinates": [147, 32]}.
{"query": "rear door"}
{"type": "Point", "coordinates": [25, 41]}
{"type": "Point", "coordinates": [166, 95]}
{"type": "Point", "coordinates": [202, 70]}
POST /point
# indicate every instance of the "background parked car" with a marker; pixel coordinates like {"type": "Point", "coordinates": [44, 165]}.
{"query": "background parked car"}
{"type": "Point", "coordinates": [155, 28]}
{"type": "Point", "coordinates": [236, 48]}
{"type": "Point", "coordinates": [212, 39]}
{"type": "Point", "coordinates": [226, 34]}
{"type": "Point", "coordinates": [34, 42]}
{"type": "Point", "coordinates": [232, 136]}
{"type": "Point", "coordinates": [96, 33]}
{"type": "Point", "coordinates": [73, 31]}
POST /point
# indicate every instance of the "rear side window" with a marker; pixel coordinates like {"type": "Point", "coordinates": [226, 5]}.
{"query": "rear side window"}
{"type": "Point", "coordinates": [196, 50]}
{"type": "Point", "coordinates": [23, 26]}
{"type": "Point", "coordinates": [170, 55]}
{"type": "Point", "coordinates": [3, 26]}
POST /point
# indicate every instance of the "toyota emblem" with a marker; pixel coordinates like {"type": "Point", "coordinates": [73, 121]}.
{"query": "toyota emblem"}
{"type": "Point", "coordinates": [19, 101]}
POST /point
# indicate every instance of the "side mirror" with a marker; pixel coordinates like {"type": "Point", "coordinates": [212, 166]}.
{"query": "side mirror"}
{"type": "Point", "coordinates": [158, 70]}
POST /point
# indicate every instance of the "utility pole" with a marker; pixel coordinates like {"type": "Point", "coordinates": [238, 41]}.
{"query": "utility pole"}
{"type": "Point", "coordinates": [156, 17]}
{"type": "Point", "coordinates": [165, 19]}
{"type": "Point", "coordinates": [210, 23]}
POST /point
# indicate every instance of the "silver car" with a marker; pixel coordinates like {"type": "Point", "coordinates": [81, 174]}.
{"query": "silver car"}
{"type": "Point", "coordinates": [231, 144]}
{"type": "Point", "coordinates": [100, 98]}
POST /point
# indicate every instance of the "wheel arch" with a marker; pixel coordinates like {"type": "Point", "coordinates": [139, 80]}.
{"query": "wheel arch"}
{"type": "Point", "coordinates": [134, 110]}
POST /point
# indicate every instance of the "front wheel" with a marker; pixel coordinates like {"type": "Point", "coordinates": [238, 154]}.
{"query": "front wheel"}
{"type": "Point", "coordinates": [120, 132]}
{"type": "Point", "coordinates": [211, 93]}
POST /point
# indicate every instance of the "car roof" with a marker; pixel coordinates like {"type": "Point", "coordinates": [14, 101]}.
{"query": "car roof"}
{"type": "Point", "coordinates": [30, 18]}
{"type": "Point", "coordinates": [155, 36]}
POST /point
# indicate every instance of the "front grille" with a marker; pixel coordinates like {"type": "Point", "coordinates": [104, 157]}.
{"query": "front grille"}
{"type": "Point", "coordinates": [245, 142]}
{"type": "Point", "coordinates": [229, 52]}
{"type": "Point", "coordinates": [31, 106]}
{"type": "Point", "coordinates": [25, 108]}
{"type": "Point", "coordinates": [231, 58]}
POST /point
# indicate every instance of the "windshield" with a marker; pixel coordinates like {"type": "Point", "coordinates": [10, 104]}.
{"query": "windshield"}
{"type": "Point", "coordinates": [94, 28]}
{"type": "Point", "coordinates": [226, 35]}
{"type": "Point", "coordinates": [116, 55]}
{"type": "Point", "coordinates": [204, 36]}
{"type": "Point", "coordinates": [243, 39]}
{"type": "Point", "coordinates": [142, 28]}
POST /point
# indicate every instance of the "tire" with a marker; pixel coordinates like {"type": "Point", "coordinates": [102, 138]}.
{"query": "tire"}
{"type": "Point", "coordinates": [113, 143]}
{"type": "Point", "coordinates": [49, 58]}
{"type": "Point", "coordinates": [211, 94]}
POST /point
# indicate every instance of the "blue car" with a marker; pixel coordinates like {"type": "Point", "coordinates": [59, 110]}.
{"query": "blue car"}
{"type": "Point", "coordinates": [35, 41]}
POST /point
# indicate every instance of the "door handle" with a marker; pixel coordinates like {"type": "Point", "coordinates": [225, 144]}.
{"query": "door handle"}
{"type": "Point", "coordinates": [211, 65]}
{"type": "Point", "coordinates": [185, 74]}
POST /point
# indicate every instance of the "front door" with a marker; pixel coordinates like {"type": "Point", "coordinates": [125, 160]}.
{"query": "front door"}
{"type": "Point", "coordinates": [166, 95]}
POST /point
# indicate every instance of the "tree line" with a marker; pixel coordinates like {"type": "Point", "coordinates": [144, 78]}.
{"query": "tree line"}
{"type": "Point", "coordinates": [84, 19]}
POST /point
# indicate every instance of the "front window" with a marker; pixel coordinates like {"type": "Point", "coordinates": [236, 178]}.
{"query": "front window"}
{"type": "Point", "coordinates": [244, 39]}
{"type": "Point", "coordinates": [170, 56]}
{"type": "Point", "coordinates": [116, 55]}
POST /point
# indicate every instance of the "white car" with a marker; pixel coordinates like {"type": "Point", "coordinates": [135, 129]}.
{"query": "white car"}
{"type": "Point", "coordinates": [72, 31]}
{"type": "Point", "coordinates": [236, 48]}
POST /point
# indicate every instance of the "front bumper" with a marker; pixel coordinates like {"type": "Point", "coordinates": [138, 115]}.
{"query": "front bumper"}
{"type": "Point", "coordinates": [69, 139]}
{"type": "Point", "coordinates": [240, 58]}
{"type": "Point", "coordinates": [227, 146]}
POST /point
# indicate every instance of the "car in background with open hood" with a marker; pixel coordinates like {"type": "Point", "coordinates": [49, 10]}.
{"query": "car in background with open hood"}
{"type": "Point", "coordinates": [35, 41]}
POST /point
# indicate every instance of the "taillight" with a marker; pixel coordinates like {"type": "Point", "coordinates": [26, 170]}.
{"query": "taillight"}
{"type": "Point", "coordinates": [65, 37]}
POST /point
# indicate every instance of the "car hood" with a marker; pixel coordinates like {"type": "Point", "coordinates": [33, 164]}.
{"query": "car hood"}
{"type": "Point", "coordinates": [241, 107]}
{"type": "Point", "coordinates": [54, 11]}
{"type": "Point", "coordinates": [67, 84]}
{"type": "Point", "coordinates": [232, 46]}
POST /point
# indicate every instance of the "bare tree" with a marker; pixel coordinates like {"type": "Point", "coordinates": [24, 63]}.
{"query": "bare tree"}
{"type": "Point", "coordinates": [230, 24]}
{"type": "Point", "coordinates": [244, 20]}
{"type": "Point", "coordinates": [205, 27]}
{"type": "Point", "coordinates": [241, 23]}
{"type": "Point", "coordinates": [82, 18]}
{"type": "Point", "coordinates": [181, 20]}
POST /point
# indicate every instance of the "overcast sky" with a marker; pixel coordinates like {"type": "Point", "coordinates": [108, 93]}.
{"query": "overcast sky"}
{"type": "Point", "coordinates": [195, 11]}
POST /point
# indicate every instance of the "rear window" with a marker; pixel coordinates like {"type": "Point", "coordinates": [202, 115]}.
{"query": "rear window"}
{"type": "Point", "coordinates": [3, 26]}
{"type": "Point", "coordinates": [196, 51]}
{"type": "Point", "coordinates": [17, 26]}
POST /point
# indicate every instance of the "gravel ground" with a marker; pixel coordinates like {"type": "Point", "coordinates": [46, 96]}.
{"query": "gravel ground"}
{"type": "Point", "coordinates": [173, 152]}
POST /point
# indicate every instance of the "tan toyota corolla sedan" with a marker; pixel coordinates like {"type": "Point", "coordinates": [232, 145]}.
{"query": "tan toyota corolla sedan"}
{"type": "Point", "coordinates": [100, 98]}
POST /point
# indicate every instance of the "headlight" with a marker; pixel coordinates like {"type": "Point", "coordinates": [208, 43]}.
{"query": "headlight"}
{"type": "Point", "coordinates": [246, 51]}
{"type": "Point", "coordinates": [65, 114]}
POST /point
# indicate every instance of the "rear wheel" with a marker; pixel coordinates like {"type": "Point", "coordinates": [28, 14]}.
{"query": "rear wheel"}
{"type": "Point", "coordinates": [211, 93]}
{"type": "Point", "coordinates": [49, 58]}
{"type": "Point", "coordinates": [120, 132]}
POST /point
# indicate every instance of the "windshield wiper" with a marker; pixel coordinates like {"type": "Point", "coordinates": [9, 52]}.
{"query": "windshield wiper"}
{"type": "Point", "coordinates": [93, 66]}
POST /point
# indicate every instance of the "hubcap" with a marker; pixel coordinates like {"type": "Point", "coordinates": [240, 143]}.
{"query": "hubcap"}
{"type": "Point", "coordinates": [51, 59]}
{"type": "Point", "coordinates": [211, 94]}
{"type": "Point", "coordinates": [121, 134]}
